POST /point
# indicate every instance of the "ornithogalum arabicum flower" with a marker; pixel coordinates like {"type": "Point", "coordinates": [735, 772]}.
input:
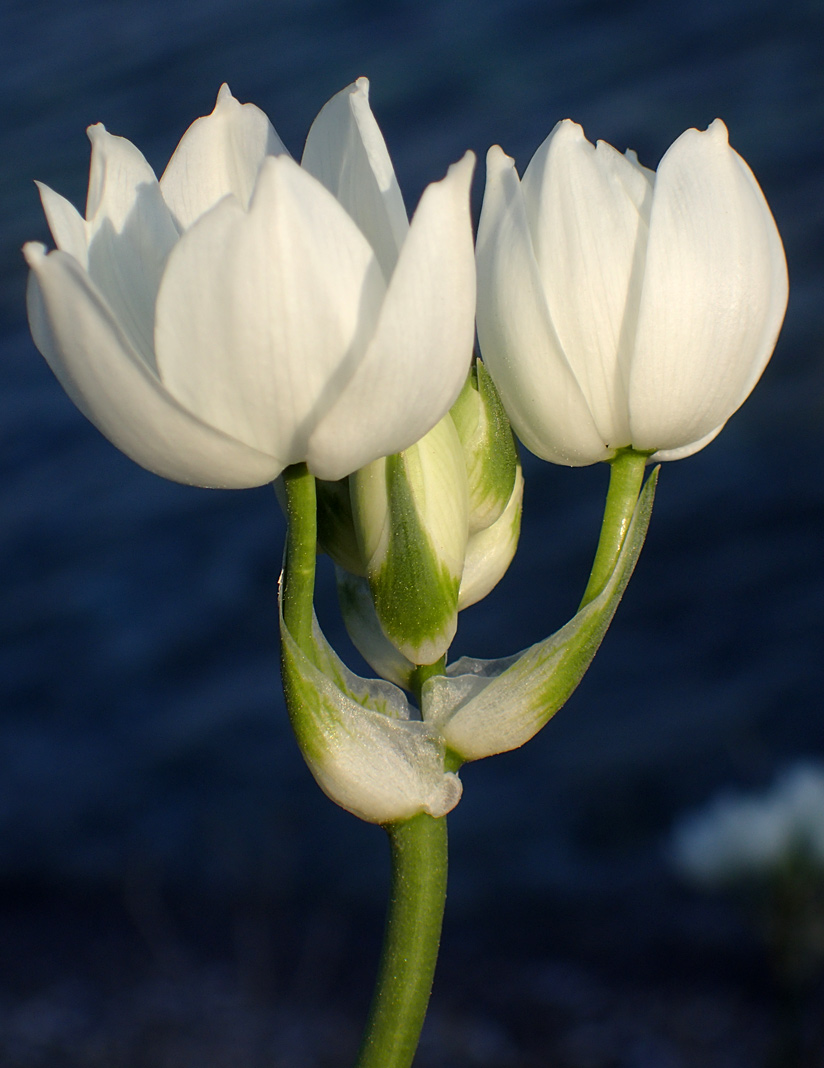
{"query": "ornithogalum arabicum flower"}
{"type": "Point", "coordinates": [621, 307]}
{"type": "Point", "coordinates": [245, 313]}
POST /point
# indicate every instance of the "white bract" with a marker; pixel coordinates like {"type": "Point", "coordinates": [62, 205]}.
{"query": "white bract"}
{"type": "Point", "coordinates": [359, 739]}
{"type": "Point", "coordinates": [618, 306]}
{"type": "Point", "coordinates": [237, 316]}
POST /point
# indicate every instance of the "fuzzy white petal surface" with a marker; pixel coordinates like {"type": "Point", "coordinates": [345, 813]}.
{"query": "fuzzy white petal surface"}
{"type": "Point", "coordinates": [358, 738]}
{"type": "Point", "coordinates": [219, 154]}
{"type": "Point", "coordinates": [75, 330]}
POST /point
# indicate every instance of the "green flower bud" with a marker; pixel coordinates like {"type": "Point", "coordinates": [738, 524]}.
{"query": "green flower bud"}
{"type": "Point", "coordinates": [336, 527]}
{"type": "Point", "coordinates": [489, 448]}
{"type": "Point", "coordinates": [411, 517]}
{"type": "Point", "coordinates": [364, 629]}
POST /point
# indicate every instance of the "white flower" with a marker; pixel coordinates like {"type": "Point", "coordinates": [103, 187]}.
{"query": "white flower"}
{"type": "Point", "coordinates": [738, 836]}
{"type": "Point", "coordinates": [622, 307]}
{"type": "Point", "coordinates": [237, 317]}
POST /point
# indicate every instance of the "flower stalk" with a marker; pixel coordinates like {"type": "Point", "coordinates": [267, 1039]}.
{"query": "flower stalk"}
{"type": "Point", "coordinates": [626, 473]}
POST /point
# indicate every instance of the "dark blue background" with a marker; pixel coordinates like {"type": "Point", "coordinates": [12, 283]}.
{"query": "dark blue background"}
{"type": "Point", "coordinates": [141, 725]}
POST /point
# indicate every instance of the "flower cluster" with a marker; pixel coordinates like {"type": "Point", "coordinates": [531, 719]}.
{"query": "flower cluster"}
{"type": "Point", "coordinates": [245, 315]}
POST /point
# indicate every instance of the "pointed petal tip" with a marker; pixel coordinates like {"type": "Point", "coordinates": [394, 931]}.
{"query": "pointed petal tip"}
{"type": "Point", "coordinates": [570, 129]}
{"type": "Point", "coordinates": [224, 96]}
{"type": "Point", "coordinates": [463, 168]}
{"type": "Point", "coordinates": [497, 162]}
{"type": "Point", "coordinates": [361, 85]}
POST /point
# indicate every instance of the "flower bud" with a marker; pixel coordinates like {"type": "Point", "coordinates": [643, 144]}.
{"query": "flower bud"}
{"type": "Point", "coordinates": [336, 527]}
{"type": "Point", "coordinates": [489, 448]}
{"type": "Point", "coordinates": [411, 513]}
{"type": "Point", "coordinates": [489, 552]}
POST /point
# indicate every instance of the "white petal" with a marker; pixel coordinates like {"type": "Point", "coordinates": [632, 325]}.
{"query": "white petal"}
{"type": "Point", "coordinates": [117, 170]}
{"type": "Point", "coordinates": [67, 225]}
{"type": "Point", "coordinates": [219, 154]}
{"type": "Point", "coordinates": [518, 342]}
{"type": "Point", "coordinates": [130, 233]}
{"type": "Point", "coordinates": [490, 551]}
{"type": "Point", "coordinates": [419, 356]}
{"type": "Point", "coordinates": [588, 209]}
{"type": "Point", "coordinates": [664, 455]}
{"type": "Point", "coordinates": [262, 316]}
{"type": "Point", "coordinates": [74, 329]}
{"type": "Point", "coordinates": [714, 294]}
{"type": "Point", "coordinates": [346, 151]}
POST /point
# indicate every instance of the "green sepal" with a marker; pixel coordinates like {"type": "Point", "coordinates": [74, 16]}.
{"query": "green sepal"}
{"type": "Point", "coordinates": [483, 707]}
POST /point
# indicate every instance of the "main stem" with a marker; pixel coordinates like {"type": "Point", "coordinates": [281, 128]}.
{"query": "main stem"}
{"type": "Point", "coordinates": [418, 846]}
{"type": "Point", "coordinates": [626, 475]}
{"type": "Point", "coordinates": [411, 941]}
{"type": "Point", "coordinates": [412, 936]}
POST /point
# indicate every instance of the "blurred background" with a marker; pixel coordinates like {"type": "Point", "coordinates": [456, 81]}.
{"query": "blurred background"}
{"type": "Point", "coordinates": [174, 889]}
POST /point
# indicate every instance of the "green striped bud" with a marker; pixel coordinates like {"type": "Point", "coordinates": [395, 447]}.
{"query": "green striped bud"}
{"type": "Point", "coordinates": [411, 515]}
{"type": "Point", "coordinates": [490, 454]}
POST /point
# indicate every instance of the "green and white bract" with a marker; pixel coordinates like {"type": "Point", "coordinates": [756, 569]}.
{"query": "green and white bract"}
{"type": "Point", "coordinates": [358, 738]}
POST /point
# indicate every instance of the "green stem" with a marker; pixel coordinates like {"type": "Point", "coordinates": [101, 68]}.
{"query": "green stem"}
{"type": "Point", "coordinates": [418, 845]}
{"type": "Point", "coordinates": [301, 550]}
{"type": "Point", "coordinates": [423, 672]}
{"type": "Point", "coordinates": [626, 474]}
{"type": "Point", "coordinates": [411, 940]}
{"type": "Point", "coordinates": [413, 931]}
